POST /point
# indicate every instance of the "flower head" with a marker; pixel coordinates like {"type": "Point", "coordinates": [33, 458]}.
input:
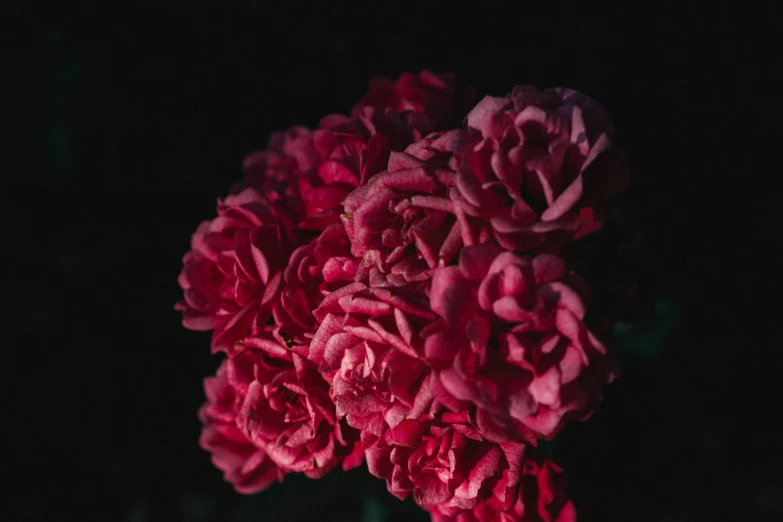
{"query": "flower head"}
{"type": "Point", "coordinates": [513, 344]}
{"type": "Point", "coordinates": [446, 464]}
{"type": "Point", "coordinates": [233, 274]}
{"type": "Point", "coordinates": [284, 408]}
{"type": "Point", "coordinates": [538, 167]}
{"type": "Point", "coordinates": [247, 467]}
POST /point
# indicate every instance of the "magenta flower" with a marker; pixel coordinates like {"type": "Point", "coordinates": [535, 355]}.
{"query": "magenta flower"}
{"type": "Point", "coordinates": [314, 271]}
{"type": "Point", "coordinates": [538, 167]}
{"type": "Point", "coordinates": [284, 408]}
{"type": "Point", "coordinates": [233, 275]}
{"type": "Point", "coordinates": [350, 152]}
{"type": "Point", "coordinates": [409, 284]}
{"type": "Point", "coordinates": [437, 101]}
{"type": "Point", "coordinates": [539, 497]}
{"type": "Point", "coordinates": [513, 343]}
{"type": "Point", "coordinates": [368, 348]}
{"type": "Point", "coordinates": [247, 467]}
{"type": "Point", "coordinates": [276, 171]}
{"type": "Point", "coordinates": [402, 220]}
{"type": "Point", "coordinates": [445, 463]}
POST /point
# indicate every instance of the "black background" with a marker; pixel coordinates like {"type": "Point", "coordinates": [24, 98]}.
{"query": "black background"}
{"type": "Point", "coordinates": [124, 124]}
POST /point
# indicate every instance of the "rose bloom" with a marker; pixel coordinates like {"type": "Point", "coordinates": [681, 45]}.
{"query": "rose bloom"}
{"type": "Point", "coordinates": [368, 347]}
{"type": "Point", "coordinates": [447, 465]}
{"type": "Point", "coordinates": [513, 344]}
{"type": "Point", "coordinates": [234, 272]}
{"type": "Point", "coordinates": [402, 219]}
{"type": "Point", "coordinates": [538, 167]}
{"type": "Point", "coordinates": [247, 467]}
{"type": "Point", "coordinates": [314, 271]}
{"type": "Point", "coordinates": [275, 172]}
{"type": "Point", "coordinates": [437, 101]}
{"type": "Point", "coordinates": [350, 151]}
{"type": "Point", "coordinates": [284, 408]}
{"type": "Point", "coordinates": [540, 497]}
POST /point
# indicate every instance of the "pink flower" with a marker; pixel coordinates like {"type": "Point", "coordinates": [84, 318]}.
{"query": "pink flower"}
{"type": "Point", "coordinates": [284, 408]}
{"type": "Point", "coordinates": [314, 271]}
{"type": "Point", "coordinates": [538, 167]}
{"type": "Point", "coordinates": [513, 343]}
{"type": "Point", "coordinates": [540, 497]}
{"type": "Point", "coordinates": [232, 276]}
{"type": "Point", "coordinates": [276, 171]}
{"type": "Point", "coordinates": [402, 219]}
{"type": "Point", "coordinates": [437, 100]}
{"type": "Point", "coordinates": [368, 347]}
{"type": "Point", "coordinates": [350, 152]}
{"type": "Point", "coordinates": [445, 463]}
{"type": "Point", "coordinates": [247, 467]}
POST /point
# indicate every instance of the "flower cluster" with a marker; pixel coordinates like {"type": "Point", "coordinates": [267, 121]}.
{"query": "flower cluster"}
{"type": "Point", "coordinates": [404, 286]}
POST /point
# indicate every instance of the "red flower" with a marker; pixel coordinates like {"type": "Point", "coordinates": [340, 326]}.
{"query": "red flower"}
{"type": "Point", "coordinates": [538, 167]}
{"type": "Point", "coordinates": [437, 100]}
{"type": "Point", "coordinates": [247, 467]}
{"type": "Point", "coordinates": [402, 220]}
{"type": "Point", "coordinates": [368, 348]}
{"type": "Point", "coordinates": [513, 343]}
{"type": "Point", "coordinates": [446, 463]}
{"type": "Point", "coordinates": [232, 276]}
{"type": "Point", "coordinates": [540, 497]}
{"type": "Point", "coordinates": [285, 409]}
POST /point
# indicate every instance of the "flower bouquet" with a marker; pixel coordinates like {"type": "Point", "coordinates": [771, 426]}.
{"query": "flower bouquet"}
{"type": "Point", "coordinates": [425, 285]}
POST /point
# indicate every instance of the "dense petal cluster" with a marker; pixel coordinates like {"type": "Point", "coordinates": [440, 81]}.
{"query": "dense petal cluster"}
{"type": "Point", "coordinates": [436, 101]}
{"type": "Point", "coordinates": [247, 467]}
{"type": "Point", "coordinates": [539, 166]}
{"type": "Point", "coordinates": [414, 285]}
{"type": "Point", "coordinates": [233, 275]}
{"type": "Point", "coordinates": [540, 497]}
{"type": "Point", "coordinates": [284, 408]}
{"type": "Point", "coordinates": [402, 220]}
{"type": "Point", "coordinates": [513, 343]}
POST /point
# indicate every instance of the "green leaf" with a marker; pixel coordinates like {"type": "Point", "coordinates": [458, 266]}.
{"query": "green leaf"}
{"type": "Point", "coordinates": [648, 340]}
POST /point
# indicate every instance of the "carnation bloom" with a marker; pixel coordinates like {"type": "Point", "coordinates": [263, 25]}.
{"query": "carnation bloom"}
{"type": "Point", "coordinates": [538, 167]}
{"type": "Point", "coordinates": [368, 347]}
{"type": "Point", "coordinates": [540, 497]}
{"type": "Point", "coordinates": [247, 467]}
{"type": "Point", "coordinates": [233, 274]}
{"type": "Point", "coordinates": [513, 343]}
{"type": "Point", "coordinates": [446, 464]}
{"type": "Point", "coordinates": [284, 408]}
{"type": "Point", "coordinates": [436, 100]}
{"type": "Point", "coordinates": [402, 220]}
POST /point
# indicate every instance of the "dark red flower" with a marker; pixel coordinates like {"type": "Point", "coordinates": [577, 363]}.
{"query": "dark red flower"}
{"type": "Point", "coordinates": [437, 101]}
{"type": "Point", "coordinates": [538, 167]}
{"type": "Point", "coordinates": [513, 343]}
{"type": "Point", "coordinates": [247, 467]}
{"type": "Point", "coordinates": [232, 276]}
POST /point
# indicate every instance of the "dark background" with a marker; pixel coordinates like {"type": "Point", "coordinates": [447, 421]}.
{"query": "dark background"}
{"type": "Point", "coordinates": [124, 124]}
